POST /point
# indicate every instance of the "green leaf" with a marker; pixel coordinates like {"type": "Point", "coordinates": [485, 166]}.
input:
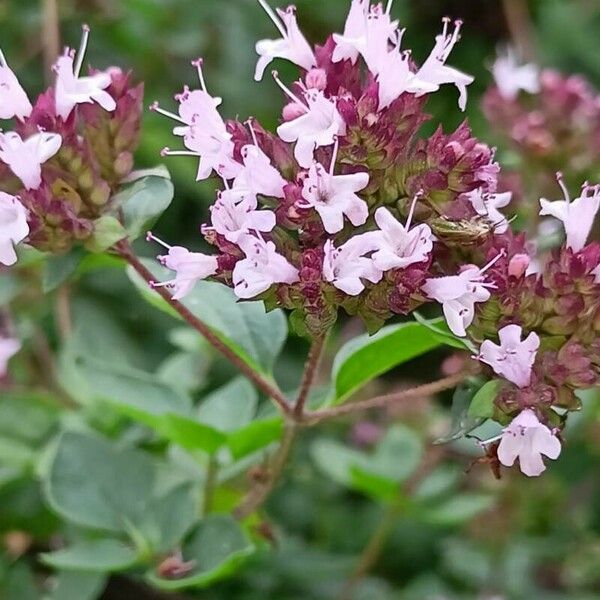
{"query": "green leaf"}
{"type": "Point", "coordinates": [336, 460]}
{"type": "Point", "coordinates": [441, 331]}
{"type": "Point", "coordinates": [256, 435]}
{"type": "Point", "coordinates": [107, 231]}
{"type": "Point", "coordinates": [458, 509]}
{"type": "Point", "coordinates": [102, 555]}
{"type": "Point", "coordinates": [78, 585]}
{"type": "Point", "coordinates": [59, 268]}
{"type": "Point", "coordinates": [366, 357]}
{"type": "Point", "coordinates": [255, 336]}
{"type": "Point", "coordinates": [482, 404]}
{"type": "Point", "coordinates": [190, 434]}
{"type": "Point", "coordinates": [217, 549]}
{"type": "Point", "coordinates": [143, 202]}
{"type": "Point", "coordinates": [10, 286]}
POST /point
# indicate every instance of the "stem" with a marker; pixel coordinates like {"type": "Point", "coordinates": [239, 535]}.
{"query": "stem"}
{"type": "Point", "coordinates": [50, 34]}
{"type": "Point", "coordinates": [269, 388]}
{"type": "Point", "coordinates": [519, 24]}
{"type": "Point", "coordinates": [62, 311]}
{"type": "Point", "coordinates": [209, 485]}
{"type": "Point", "coordinates": [308, 376]}
{"type": "Point", "coordinates": [427, 389]}
{"type": "Point", "coordinates": [261, 490]}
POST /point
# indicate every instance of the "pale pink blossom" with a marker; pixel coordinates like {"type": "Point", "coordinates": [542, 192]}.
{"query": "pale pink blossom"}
{"type": "Point", "coordinates": [487, 205]}
{"type": "Point", "coordinates": [261, 268]}
{"type": "Point", "coordinates": [518, 265]}
{"type": "Point", "coordinates": [189, 267]}
{"type": "Point", "coordinates": [399, 246]}
{"type": "Point", "coordinates": [13, 99]}
{"type": "Point", "coordinates": [512, 77]}
{"type": "Point", "coordinates": [319, 126]}
{"type": "Point", "coordinates": [345, 267]}
{"type": "Point", "coordinates": [8, 348]}
{"type": "Point", "coordinates": [25, 157]}
{"type": "Point", "coordinates": [13, 227]}
{"type": "Point", "coordinates": [203, 130]}
{"type": "Point", "coordinates": [334, 196]}
{"type": "Point", "coordinates": [577, 215]}
{"type": "Point", "coordinates": [527, 439]}
{"type": "Point", "coordinates": [71, 89]}
{"type": "Point", "coordinates": [235, 214]}
{"type": "Point", "coordinates": [513, 359]}
{"type": "Point", "coordinates": [291, 46]}
{"type": "Point", "coordinates": [458, 295]}
{"type": "Point", "coordinates": [316, 79]}
{"type": "Point", "coordinates": [347, 45]}
{"type": "Point", "coordinates": [435, 71]}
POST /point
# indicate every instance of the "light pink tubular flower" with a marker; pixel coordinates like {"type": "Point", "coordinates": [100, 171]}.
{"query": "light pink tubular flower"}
{"type": "Point", "coordinates": [203, 130]}
{"type": "Point", "coordinates": [235, 214]}
{"type": "Point", "coordinates": [258, 175]}
{"type": "Point", "coordinates": [319, 126]}
{"type": "Point", "coordinates": [345, 267]}
{"type": "Point", "coordinates": [399, 246]}
{"type": "Point", "coordinates": [261, 268]}
{"type": "Point", "coordinates": [527, 439]}
{"type": "Point", "coordinates": [190, 267]}
{"type": "Point", "coordinates": [70, 89]}
{"type": "Point", "coordinates": [25, 157]}
{"type": "Point", "coordinates": [8, 348]}
{"type": "Point", "coordinates": [347, 45]}
{"type": "Point", "coordinates": [292, 45]}
{"type": "Point", "coordinates": [334, 196]}
{"type": "Point", "coordinates": [487, 205]}
{"type": "Point", "coordinates": [13, 99]}
{"type": "Point", "coordinates": [435, 71]}
{"type": "Point", "coordinates": [513, 358]}
{"type": "Point", "coordinates": [577, 215]}
{"type": "Point", "coordinates": [13, 227]}
{"type": "Point", "coordinates": [512, 77]}
{"type": "Point", "coordinates": [458, 295]}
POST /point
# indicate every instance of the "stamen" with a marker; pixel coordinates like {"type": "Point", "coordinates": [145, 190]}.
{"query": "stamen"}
{"type": "Point", "coordinates": [388, 8]}
{"type": "Point", "coordinates": [287, 90]}
{"type": "Point", "coordinates": [252, 132]}
{"type": "Point", "coordinates": [150, 237]}
{"type": "Point", "coordinates": [168, 152]}
{"type": "Point", "coordinates": [154, 107]}
{"type": "Point", "coordinates": [157, 284]}
{"type": "Point", "coordinates": [198, 64]}
{"type": "Point", "coordinates": [563, 187]}
{"type": "Point", "coordinates": [273, 17]}
{"type": "Point", "coordinates": [3, 62]}
{"type": "Point", "coordinates": [493, 261]}
{"type": "Point", "coordinates": [413, 205]}
{"type": "Point", "coordinates": [336, 145]}
{"type": "Point", "coordinates": [82, 48]}
{"type": "Point", "coordinates": [225, 183]}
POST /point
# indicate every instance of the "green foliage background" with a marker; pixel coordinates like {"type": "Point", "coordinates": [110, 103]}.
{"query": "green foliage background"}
{"type": "Point", "coordinates": [452, 534]}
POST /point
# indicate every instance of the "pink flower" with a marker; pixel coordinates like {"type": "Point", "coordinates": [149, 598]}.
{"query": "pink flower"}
{"type": "Point", "coordinates": [458, 295]}
{"type": "Point", "coordinates": [334, 196]}
{"type": "Point", "coordinates": [398, 245]}
{"type": "Point", "coordinates": [261, 268]}
{"type": "Point", "coordinates": [577, 216]}
{"type": "Point", "coordinates": [319, 126]}
{"type": "Point", "coordinates": [487, 205]}
{"type": "Point", "coordinates": [8, 348]}
{"type": "Point", "coordinates": [71, 89]}
{"type": "Point", "coordinates": [513, 358]}
{"type": "Point", "coordinates": [25, 157]}
{"type": "Point", "coordinates": [190, 267]}
{"type": "Point", "coordinates": [13, 99]}
{"type": "Point", "coordinates": [13, 227]}
{"type": "Point", "coordinates": [368, 31]}
{"type": "Point", "coordinates": [203, 130]}
{"type": "Point", "coordinates": [234, 215]}
{"type": "Point", "coordinates": [511, 77]}
{"type": "Point", "coordinates": [345, 267]}
{"type": "Point", "coordinates": [292, 45]}
{"type": "Point", "coordinates": [518, 264]}
{"type": "Point", "coordinates": [527, 439]}
{"type": "Point", "coordinates": [434, 69]}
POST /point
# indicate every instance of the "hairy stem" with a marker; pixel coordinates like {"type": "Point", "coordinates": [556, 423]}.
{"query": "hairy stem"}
{"type": "Point", "coordinates": [310, 418]}
{"type": "Point", "coordinates": [308, 376]}
{"type": "Point", "coordinates": [269, 388]}
{"type": "Point", "coordinates": [261, 489]}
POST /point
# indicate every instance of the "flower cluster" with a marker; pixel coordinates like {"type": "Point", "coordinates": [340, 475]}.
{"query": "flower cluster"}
{"type": "Point", "coordinates": [66, 154]}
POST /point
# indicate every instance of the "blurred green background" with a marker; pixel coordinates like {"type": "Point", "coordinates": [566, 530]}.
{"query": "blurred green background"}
{"type": "Point", "coordinates": [516, 538]}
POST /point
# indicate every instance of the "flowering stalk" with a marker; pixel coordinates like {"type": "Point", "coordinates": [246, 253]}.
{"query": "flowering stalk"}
{"type": "Point", "coordinates": [308, 375]}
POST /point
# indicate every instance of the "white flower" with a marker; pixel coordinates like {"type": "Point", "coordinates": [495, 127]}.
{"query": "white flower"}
{"type": "Point", "coordinates": [8, 348]}
{"type": "Point", "coordinates": [527, 439]}
{"type": "Point", "coordinates": [70, 89]}
{"type": "Point", "coordinates": [25, 157]}
{"type": "Point", "coordinates": [487, 205]}
{"type": "Point", "coordinates": [292, 45]}
{"type": "Point", "coordinates": [511, 77]}
{"type": "Point", "coordinates": [13, 227]}
{"type": "Point", "coordinates": [13, 99]}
